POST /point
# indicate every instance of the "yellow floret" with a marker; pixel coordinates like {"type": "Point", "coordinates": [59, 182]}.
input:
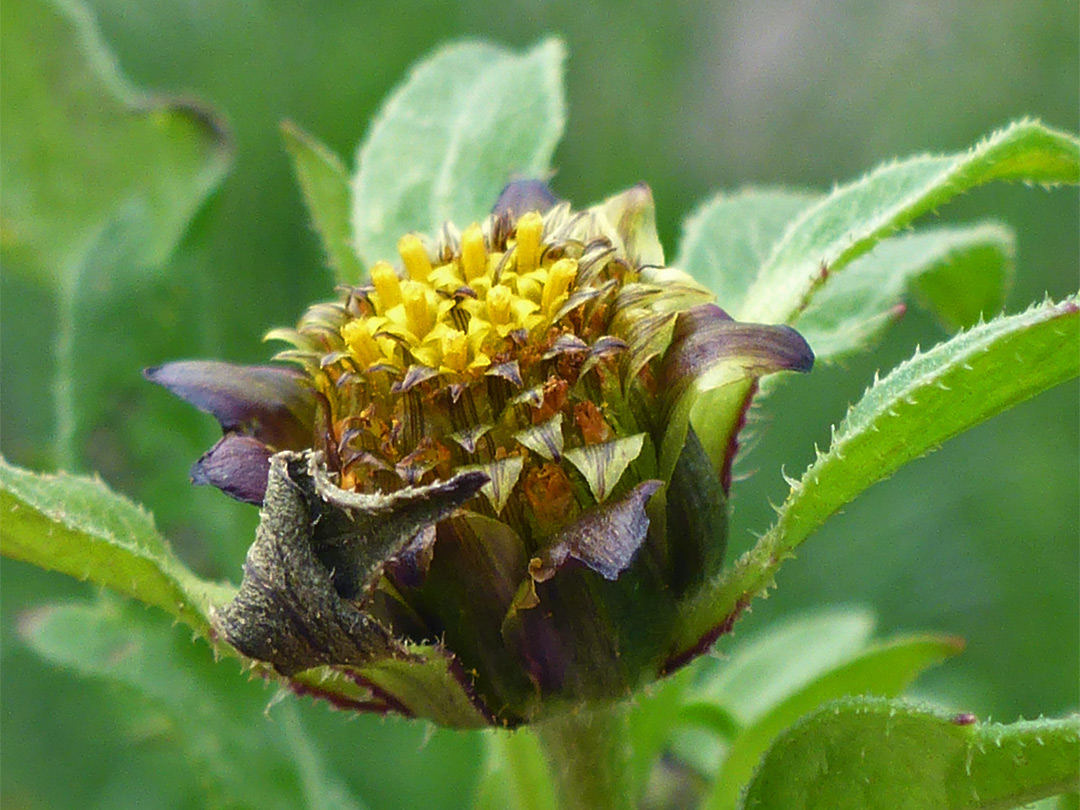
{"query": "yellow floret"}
{"type": "Point", "coordinates": [387, 285]}
{"type": "Point", "coordinates": [531, 286]}
{"type": "Point", "coordinates": [499, 298]}
{"type": "Point", "coordinates": [419, 312]}
{"type": "Point", "coordinates": [473, 254]}
{"type": "Point", "coordinates": [445, 277]}
{"type": "Point", "coordinates": [358, 337]}
{"type": "Point", "coordinates": [560, 276]}
{"type": "Point", "coordinates": [414, 255]}
{"type": "Point", "coordinates": [529, 229]}
{"type": "Point", "coordinates": [455, 350]}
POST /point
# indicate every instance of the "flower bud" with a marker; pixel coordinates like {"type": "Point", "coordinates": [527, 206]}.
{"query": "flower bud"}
{"type": "Point", "coordinates": [503, 489]}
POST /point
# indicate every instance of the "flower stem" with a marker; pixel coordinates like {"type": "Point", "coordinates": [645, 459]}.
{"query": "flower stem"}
{"type": "Point", "coordinates": [589, 754]}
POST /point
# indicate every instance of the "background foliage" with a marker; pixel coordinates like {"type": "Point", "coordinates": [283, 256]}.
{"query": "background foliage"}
{"type": "Point", "coordinates": [978, 540]}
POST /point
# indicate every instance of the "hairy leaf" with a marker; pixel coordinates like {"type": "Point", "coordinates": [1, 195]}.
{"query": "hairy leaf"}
{"type": "Point", "coordinates": [325, 183]}
{"type": "Point", "coordinates": [767, 668]}
{"type": "Point", "coordinates": [243, 757]}
{"type": "Point", "coordinates": [931, 398]}
{"type": "Point", "coordinates": [79, 527]}
{"type": "Point", "coordinates": [465, 122]}
{"type": "Point", "coordinates": [959, 274]}
{"type": "Point", "coordinates": [850, 220]}
{"type": "Point", "coordinates": [728, 237]}
{"type": "Point", "coordinates": [869, 753]}
{"type": "Point", "coordinates": [81, 145]}
{"type": "Point", "coordinates": [101, 181]}
{"type": "Point", "coordinates": [923, 402]}
{"type": "Point", "coordinates": [886, 669]}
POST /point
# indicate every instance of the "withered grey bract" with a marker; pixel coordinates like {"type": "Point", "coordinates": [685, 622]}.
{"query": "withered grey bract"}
{"type": "Point", "coordinates": [316, 549]}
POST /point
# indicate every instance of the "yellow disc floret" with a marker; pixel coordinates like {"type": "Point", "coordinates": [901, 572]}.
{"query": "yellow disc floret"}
{"type": "Point", "coordinates": [455, 350]}
{"type": "Point", "coordinates": [419, 310]}
{"type": "Point", "coordinates": [362, 344]}
{"type": "Point", "coordinates": [473, 255]}
{"type": "Point", "coordinates": [414, 255]}
{"type": "Point", "coordinates": [529, 229]}
{"type": "Point", "coordinates": [498, 303]}
{"type": "Point", "coordinates": [559, 278]}
{"type": "Point", "coordinates": [387, 284]}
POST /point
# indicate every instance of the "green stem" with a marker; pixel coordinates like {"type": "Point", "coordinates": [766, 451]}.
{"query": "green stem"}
{"type": "Point", "coordinates": [589, 754]}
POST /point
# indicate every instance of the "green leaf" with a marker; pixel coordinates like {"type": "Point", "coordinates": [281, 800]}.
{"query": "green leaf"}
{"type": "Point", "coordinates": [650, 717]}
{"type": "Point", "coordinates": [728, 237]}
{"type": "Point", "coordinates": [515, 775]}
{"type": "Point", "coordinates": [867, 753]}
{"type": "Point", "coordinates": [959, 274]}
{"type": "Point", "coordinates": [81, 145]}
{"type": "Point", "coordinates": [324, 181]}
{"type": "Point", "coordinates": [931, 398]}
{"type": "Point", "coordinates": [768, 668]}
{"type": "Point", "coordinates": [102, 413]}
{"type": "Point", "coordinates": [854, 217]}
{"type": "Point", "coordinates": [466, 121]}
{"type": "Point", "coordinates": [243, 758]}
{"type": "Point", "coordinates": [320, 787]}
{"type": "Point", "coordinates": [101, 181]}
{"type": "Point", "coordinates": [918, 406]}
{"type": "Point", "coordinates": [777, 674]}
{"type": "Point", "coordinates": [79, 527]}
{"type": "Point", "coordinates": [886, 668]}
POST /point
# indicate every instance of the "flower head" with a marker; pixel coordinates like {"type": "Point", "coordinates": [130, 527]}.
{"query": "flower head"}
{"type": "Point", "coordinates": [492, 448]}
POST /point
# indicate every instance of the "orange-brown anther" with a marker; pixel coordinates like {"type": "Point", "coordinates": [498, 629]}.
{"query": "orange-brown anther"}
{"type": "Point", "coordinates": [550, 494]}
{"type": "Point", "coordinates": [554, 399]}
{"type": "Point", "coordinates": [590, 421]}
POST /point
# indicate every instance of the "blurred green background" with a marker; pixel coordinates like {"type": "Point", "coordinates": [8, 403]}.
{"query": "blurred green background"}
{"type": "Point", "coordinates": [980, 539]}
